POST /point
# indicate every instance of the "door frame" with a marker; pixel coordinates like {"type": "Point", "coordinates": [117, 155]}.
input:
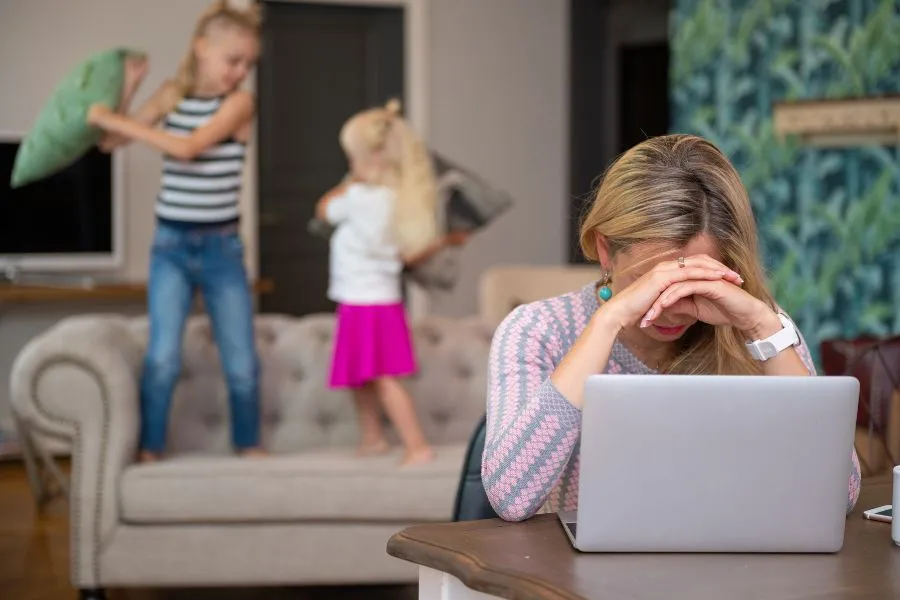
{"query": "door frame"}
{"type": "Point", "coordinates": [415, 89]}
{"type": "Point", "coordinates": [415, 53]}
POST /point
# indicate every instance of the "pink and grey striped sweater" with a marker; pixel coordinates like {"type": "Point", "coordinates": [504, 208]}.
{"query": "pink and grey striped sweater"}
{"type": "Point", "coordinates": [530, 459]}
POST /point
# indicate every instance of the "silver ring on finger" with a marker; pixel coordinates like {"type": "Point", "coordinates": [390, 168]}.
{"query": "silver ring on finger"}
{"type": "Point", "coordinates": [680, 262]}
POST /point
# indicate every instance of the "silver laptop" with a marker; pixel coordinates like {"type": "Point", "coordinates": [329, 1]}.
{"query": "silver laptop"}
{"type": "Point", "coordinates": [714, 464]}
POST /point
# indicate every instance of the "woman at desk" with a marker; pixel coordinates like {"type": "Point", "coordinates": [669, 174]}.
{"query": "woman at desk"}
{"type": "Point", "coordinates": [681, 291]}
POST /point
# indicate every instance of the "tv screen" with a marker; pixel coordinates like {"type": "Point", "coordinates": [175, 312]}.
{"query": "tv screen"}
{"type": "Point", "coordinates": [70, 212]}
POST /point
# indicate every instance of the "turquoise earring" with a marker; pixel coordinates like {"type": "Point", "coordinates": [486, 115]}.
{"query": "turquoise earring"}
{"type": "Point", "coordinates": [604, 292]}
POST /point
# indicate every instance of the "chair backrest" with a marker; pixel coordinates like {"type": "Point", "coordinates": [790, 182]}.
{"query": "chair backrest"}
{"type": "Point", "coordinates": [876, 364]}
{"type": "Point", "coordinates": [471, 500]}
{"type": "Point", "coordinates": [504, 287]}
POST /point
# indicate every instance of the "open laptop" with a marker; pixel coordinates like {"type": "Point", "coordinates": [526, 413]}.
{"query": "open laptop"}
{"type": "Point", "coordinates": [689, 463]}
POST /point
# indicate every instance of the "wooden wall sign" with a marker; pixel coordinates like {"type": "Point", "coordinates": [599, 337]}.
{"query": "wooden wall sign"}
{"type": "Point", "coordinates": [840, 123]}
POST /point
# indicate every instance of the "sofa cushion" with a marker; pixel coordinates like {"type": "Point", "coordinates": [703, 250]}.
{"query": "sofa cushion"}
{"type": "Point", "coordinates": [310, 486]}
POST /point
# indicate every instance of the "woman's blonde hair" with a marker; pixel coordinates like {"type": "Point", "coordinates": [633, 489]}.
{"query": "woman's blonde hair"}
{"type": "Point", "coordinates": [669, 190]}
{"type": "Point", "coordinates": [218, 13]}
{"type": "Point", "coordinates": [411, 172]}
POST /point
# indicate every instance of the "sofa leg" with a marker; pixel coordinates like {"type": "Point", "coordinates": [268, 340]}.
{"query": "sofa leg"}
{"type": "Point", "coordinates": [92, 594]}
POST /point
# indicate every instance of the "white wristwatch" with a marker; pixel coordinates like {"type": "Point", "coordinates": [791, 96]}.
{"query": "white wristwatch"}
{"type": "Point", "coordinates": [775, 343]}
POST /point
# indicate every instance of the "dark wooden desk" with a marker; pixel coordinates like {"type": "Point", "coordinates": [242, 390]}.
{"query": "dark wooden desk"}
{"type": "Point", "coordinates": [486, 559]}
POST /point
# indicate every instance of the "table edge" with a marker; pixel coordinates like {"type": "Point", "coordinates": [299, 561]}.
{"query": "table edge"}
{"type": "Point", "coordinates": [471, 571]}
{"type": "Point", "coordinates": [516, 585]}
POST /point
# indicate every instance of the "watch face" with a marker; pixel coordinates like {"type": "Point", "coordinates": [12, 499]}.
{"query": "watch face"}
{"type": "Point", "coordinates": [769, 350]}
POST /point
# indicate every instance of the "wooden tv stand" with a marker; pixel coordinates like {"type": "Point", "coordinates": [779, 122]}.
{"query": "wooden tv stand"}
{"type": "Point", "coordinates": [22, 293]}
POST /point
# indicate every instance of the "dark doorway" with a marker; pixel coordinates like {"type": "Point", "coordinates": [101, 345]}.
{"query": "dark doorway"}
{"type": "Point", "coordinates": [611, 112]}
{"type": "Point", "coordinates": [587, 104]}
{"type": "Point", "coordinates": [320, 64]}
{"type": "Point", "coordinates": [643, 92]}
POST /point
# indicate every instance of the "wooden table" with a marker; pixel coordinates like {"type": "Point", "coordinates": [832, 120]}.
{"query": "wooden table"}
{"type": "Point", "coordinates": [477, 560]}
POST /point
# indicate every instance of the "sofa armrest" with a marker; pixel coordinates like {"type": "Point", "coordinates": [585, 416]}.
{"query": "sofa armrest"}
{"type": "Point", "coordinates": [78, 380]}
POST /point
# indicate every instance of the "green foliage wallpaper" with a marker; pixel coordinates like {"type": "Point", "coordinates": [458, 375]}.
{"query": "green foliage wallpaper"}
{"type": "Point", "coordinates": [829, 218]}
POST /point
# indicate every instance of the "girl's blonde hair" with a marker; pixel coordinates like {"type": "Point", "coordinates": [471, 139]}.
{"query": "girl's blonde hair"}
{"type": "Point", "coordinates": [668, 190]}
{"type": "Point", "coordinates": [218, 13]}
{"type": "Point", "coordinates": [410, 172]}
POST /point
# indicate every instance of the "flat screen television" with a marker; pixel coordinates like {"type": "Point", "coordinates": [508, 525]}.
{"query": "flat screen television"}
{"type": "Point", "coordinates": [69, 222]}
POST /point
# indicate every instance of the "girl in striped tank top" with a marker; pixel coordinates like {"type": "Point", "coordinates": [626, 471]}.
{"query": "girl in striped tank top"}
{"type": "Point", "coordinates": [206, 123]}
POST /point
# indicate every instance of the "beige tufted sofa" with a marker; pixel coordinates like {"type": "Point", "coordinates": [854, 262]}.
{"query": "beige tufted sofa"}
{"type": "Point", "coordinates": [313, 513]}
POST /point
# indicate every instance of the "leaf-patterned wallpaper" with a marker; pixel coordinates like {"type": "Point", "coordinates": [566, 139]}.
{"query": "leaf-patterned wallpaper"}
{"type": "Point", "coordinates": [829, 219]}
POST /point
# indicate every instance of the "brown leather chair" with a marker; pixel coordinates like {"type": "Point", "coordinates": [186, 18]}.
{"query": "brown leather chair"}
{"type": "Point", "coordinates": [876, 364]}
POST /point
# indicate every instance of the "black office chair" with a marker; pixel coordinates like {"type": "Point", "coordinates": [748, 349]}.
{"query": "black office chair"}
{"type": "Point", "coordinates": [471, 500]}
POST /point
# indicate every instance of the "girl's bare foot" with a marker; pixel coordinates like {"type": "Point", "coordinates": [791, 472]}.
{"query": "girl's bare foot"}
{"type": "Point", "coordinates": [146, 456]}
{"type": "Point", "coordinates": [254, 453]}
{"type": "Point", "coordinates": [373, 448]}
{"type": "Point", "coordinates": [398, 405]}
{"type": "Point", "coordinates": [418, 457]}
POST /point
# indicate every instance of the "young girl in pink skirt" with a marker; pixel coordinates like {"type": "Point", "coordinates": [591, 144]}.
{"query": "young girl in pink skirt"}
{"type": "Point", "coordinates": [385, 217]}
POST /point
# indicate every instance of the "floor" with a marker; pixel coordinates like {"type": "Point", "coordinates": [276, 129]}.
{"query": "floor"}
{"type": "Point", "coordinates": [34, 559]}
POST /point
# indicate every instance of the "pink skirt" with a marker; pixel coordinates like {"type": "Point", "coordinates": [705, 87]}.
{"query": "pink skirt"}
{"type": "Point", "coordinates": [371, 342]}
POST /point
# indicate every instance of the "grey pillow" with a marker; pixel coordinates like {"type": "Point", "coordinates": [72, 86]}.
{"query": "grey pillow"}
{"type": "Point", "coordinates": [469, 202]}
{"type": "Point", "coordinates": [465, 203]}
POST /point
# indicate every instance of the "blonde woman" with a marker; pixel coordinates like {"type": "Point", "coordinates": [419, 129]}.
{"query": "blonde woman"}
{"type": "Point", "coordinates": [385, 217]}
{"type": "Point", "coordinates": [206, 124]}
{"type": "Point", "coordinates": [681, 290]}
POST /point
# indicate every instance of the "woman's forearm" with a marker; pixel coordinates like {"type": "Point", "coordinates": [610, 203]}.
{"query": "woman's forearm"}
{"type": "Point", "coordinates": [788, 361]}
{"type": "Point", "coordinates": [855, 481]}
{"type": "Point", "coordinates": [529, 424]}
{"type": "Point", "coordinates": [588, 356]}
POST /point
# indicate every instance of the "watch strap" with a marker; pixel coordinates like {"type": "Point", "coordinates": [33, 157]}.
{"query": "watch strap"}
{"type": "Point", "coordinates": [773, 345]}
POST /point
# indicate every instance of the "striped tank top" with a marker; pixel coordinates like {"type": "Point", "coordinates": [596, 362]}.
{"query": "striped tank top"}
{"type": "Point", "coordinates": [205, 189]}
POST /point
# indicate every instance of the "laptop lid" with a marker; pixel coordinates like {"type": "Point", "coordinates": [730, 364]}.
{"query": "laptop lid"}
{"type": "Point", "coordinates": [715, 463]}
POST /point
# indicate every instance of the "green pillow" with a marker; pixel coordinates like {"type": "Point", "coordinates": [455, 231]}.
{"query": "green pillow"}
{"type": "Point", "coordinates": [60, 134]}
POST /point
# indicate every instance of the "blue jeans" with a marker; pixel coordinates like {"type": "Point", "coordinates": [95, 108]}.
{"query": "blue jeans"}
{"type": "Point", "coordinates": [209, 260]}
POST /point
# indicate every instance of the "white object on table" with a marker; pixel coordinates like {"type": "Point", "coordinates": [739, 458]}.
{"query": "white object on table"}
{"type": "Point", "coordinates": [895, 523]}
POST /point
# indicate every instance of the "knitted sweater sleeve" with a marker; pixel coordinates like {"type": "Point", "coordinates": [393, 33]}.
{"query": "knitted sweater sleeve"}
{"type": "Point", "coordinates": [855, 471]}
{"type": "Point", "coordinates": [531, 428]}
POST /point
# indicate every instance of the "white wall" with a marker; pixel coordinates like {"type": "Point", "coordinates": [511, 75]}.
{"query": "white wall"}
{"type": "Point", "coordinates": [498, 89]}
{"type": "Point", "coordinates": [499, 105]}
